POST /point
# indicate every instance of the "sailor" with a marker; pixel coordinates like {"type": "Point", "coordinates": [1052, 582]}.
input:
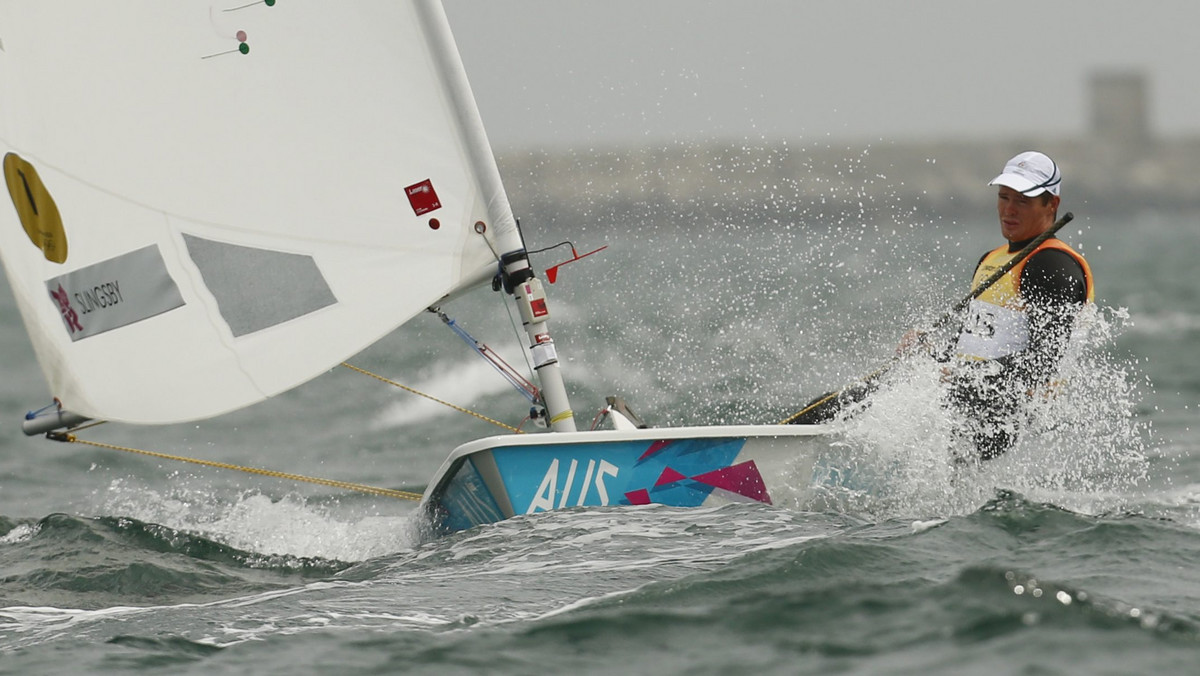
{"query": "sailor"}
{"type": "Point", "coordinates": [1014, 334]}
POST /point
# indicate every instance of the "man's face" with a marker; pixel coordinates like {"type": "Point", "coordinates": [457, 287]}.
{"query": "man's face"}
{"type": "Point", "coordinates": [1023, 217]}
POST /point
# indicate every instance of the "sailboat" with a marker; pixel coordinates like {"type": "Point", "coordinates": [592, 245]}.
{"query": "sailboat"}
{"type": "Point", "coordinates": [216, 201]}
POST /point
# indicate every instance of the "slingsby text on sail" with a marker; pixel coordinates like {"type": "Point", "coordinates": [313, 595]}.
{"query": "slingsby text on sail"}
{"type": "Point", "coordinates": [98, 297]}
{"type": "Point", "coordinates": [92, 300]}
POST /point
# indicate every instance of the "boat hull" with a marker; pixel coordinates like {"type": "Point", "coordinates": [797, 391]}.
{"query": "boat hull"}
{"type": "Point", "coordinates": [496, 478]}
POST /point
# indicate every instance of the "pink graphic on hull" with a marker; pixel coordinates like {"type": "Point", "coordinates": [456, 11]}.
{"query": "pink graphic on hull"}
{"type": "Point", "coordinates": [639, 497]}
{"type": "Point", "coordinates": [668, 476]}
{"type": "Point", "coordinates": [654, 448]}
{"type": "Point", "coordinates": [742, 480]}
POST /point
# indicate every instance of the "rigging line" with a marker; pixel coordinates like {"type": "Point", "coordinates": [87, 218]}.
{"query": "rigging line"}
{"type": "Point", "coordinates": [507, 306]}
{"type": "Point", "coordinates": [481, 230]}
{"type": "Point", "coordinates": [553, 246]}
{"type": "Point", "coordinates": [512, 321]}
{"type": "Point", "coordinates": [406, 388]}
{"type": "Point", "coordinates": [519, 382]}
{"type": "Point", "coordinates": [332, 483]}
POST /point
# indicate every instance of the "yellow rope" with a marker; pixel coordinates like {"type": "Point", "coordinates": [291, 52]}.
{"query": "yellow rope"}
{"type": "Point", "coordinates": [345, 485]}
{"type": "Point", "coordinates": [384, 492]}
{"type": "Point", "coordinates": [808, 408]}
{"type": "Point", "coordinates": [460, 409]}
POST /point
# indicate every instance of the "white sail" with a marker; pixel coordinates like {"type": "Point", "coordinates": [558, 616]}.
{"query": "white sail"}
{"type": "Point", "coordinates": [249, 192]}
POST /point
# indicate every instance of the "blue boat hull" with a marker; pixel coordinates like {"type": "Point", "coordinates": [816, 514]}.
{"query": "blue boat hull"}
{"type": "Point", "coordinates": [496, 478]}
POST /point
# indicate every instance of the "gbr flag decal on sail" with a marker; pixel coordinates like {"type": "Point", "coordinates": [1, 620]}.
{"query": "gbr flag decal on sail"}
{"type": "Point", "coordinates": [114, 293]}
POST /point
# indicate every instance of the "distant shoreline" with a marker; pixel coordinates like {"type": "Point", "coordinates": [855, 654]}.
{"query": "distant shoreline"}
{"type": "Point", "coordinates": [790, 180]}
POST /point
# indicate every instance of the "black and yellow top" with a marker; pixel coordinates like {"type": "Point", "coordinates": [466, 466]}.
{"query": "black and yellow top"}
{"type": "Point", "coordinates": [1029, 312]}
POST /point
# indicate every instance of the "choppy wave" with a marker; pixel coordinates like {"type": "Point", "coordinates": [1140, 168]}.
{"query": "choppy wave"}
{"type": "Point", "coordinates": [730, 588]}
{"type": "Point", "coordinates": [105, 561]}
{"type": "Point", "coordinates": [288, 526]}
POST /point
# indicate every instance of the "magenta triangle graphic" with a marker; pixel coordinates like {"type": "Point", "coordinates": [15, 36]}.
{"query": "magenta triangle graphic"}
{"type": "Point", "coordinates": [639, 497]}
{"type": "Point", "coordinates": [668, 476]}
{"type": "Point", "coordinates": [654, 448]}
{"type": "Point", "coordinates": [742, 479]}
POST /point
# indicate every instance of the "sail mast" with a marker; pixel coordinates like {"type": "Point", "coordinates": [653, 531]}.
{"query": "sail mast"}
{"type": "Point", "coordinates": [514, 262]}
{"type": "Point", "coordinates": [503, 226]}
{"type": "Point", "coordinates": [531, 301]}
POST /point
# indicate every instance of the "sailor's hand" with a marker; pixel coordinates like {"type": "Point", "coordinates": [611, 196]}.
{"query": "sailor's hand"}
{"type": "Point", "coordinates": [912, 340]}
{"type": "Point", "coordinates": [1046, 392]}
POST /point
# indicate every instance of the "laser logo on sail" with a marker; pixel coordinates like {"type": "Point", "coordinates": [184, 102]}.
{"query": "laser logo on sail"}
{"type": "Point", "coordinates": [422, 197]}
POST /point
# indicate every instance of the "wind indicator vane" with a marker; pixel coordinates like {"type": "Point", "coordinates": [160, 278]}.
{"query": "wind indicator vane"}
{"type": "Point", "coordinates": [243, 47]}
{"type": "Point", "coordinates": [552, 271]}
{"type": "Point", "coordinates": [268, 3]}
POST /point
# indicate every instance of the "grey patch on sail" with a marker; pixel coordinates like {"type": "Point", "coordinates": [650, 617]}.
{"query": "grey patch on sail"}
{"type": "Point", "coordinates": [114, 293]}
{"type": "Point", "coordinates": [259, 288]}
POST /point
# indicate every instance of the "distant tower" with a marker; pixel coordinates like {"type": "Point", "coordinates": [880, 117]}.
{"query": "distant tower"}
{"type": "Point", "coordinates": [1119, 109]}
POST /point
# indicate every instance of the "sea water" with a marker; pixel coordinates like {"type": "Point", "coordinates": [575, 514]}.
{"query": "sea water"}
{"type": "Point", "coordinates": [1075, 553]}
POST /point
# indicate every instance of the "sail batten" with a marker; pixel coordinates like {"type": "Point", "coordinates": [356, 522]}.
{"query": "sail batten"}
{"type": "Point", "coordinates": [246, 197]}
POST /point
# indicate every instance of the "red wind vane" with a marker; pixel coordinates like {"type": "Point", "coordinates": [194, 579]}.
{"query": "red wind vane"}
{"type": "Point", "coordinates": [552, 271]}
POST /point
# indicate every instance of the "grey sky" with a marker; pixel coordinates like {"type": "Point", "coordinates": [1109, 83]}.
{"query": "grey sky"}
{"type": "Point", "coordinates": [568, 72]}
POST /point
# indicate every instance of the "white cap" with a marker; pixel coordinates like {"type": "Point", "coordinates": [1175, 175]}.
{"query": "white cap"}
{"type": "Point", "coordinates": [1031, 173]}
